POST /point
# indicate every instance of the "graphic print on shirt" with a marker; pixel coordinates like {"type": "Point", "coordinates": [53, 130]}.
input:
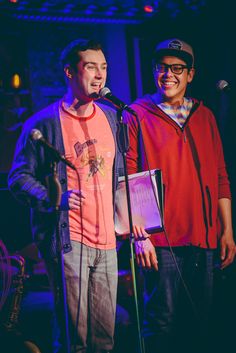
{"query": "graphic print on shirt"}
{"type": "Point", "coordinates": [96, 163]}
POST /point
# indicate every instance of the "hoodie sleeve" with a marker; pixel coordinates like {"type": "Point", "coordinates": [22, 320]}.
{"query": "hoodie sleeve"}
{"type": "Point", "coordinates": [223, 180]}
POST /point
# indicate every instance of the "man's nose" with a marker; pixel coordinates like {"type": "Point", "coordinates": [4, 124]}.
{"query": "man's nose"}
{"type": "Point", "coordinates": [99, 72]}
{"type": "Point", "coordinates": [168, 70]}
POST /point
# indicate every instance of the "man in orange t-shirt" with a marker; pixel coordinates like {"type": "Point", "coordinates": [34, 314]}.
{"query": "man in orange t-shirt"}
{"type": "Point", "coordinates": [85, 133]}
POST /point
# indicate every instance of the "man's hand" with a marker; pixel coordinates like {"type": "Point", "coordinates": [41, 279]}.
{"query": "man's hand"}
{"type": "Point", "coordinates": [140, 233]}
{"type": "Point", "coordinates": [227, 249]}
{"type": "Point", "coordinates": [227, 244]}
{"type": "Point", "coordinates": [146, 254]}
{"type": "Point", "coordinates": [72, 200]}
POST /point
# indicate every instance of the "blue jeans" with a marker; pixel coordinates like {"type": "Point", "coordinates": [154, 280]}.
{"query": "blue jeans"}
{"type": "Point", "coordinates": [91, 288]}
{"type": "Point", "coordinates": [171, 318]}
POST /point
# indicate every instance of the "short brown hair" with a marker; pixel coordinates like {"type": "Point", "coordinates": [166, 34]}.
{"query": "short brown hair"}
{"type": "Point", "coordinates": [70, 55]}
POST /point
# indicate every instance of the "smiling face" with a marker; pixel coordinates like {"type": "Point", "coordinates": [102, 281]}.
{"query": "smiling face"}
{"type": "Point", "coordinates": [89, 76]}
{"type": "Point", "coordinates": [171, 87]}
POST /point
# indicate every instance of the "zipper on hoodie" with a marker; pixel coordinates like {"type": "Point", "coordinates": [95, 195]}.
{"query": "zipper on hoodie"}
{"type": "Point", "coordinates": [185, 137]}
{"type": "Point", "coordinates": [182, 129]}
{"type": "Point", "coordinates": [195, 106]}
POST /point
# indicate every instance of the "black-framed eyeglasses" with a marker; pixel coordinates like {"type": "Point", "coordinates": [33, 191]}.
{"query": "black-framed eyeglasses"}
{"type": "Point", "coordinates": [175, 68]}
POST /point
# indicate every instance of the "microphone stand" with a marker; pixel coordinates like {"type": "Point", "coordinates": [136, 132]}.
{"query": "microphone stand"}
{"type": "Point", "coordinates": [54, 194]}
{"type": "Point", "coordinates": [123, 144]}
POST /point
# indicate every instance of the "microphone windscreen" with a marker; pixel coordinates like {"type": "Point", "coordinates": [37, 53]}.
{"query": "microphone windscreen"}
{"type": "Point", "coordinates": [222, 85]}
{"type": "Point", "coordinates": [36, 134]}
{"type": "Point", "coordinates": [103, 91]}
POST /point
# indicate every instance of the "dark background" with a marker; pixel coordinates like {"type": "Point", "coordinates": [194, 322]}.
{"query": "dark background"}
{"type": "Point", "coordinates": [32, 35]}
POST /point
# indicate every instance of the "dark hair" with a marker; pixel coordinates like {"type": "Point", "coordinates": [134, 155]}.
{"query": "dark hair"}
{"type": "Point", "coordinates": [70, 55]}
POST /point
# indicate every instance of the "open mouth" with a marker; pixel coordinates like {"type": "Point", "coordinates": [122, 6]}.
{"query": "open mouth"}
{"type": "Point", "coordinates": [96, 86]}
{"type": "Point", "coordinates": [168, 84]}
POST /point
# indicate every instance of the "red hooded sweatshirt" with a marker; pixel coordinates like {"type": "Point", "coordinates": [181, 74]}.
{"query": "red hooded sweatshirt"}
{"type": "Point", "coordinates": [193, 169]}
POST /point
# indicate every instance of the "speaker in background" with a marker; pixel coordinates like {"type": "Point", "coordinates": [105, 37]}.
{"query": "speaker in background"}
{"type": "Point", "coordinates": [15, 229]}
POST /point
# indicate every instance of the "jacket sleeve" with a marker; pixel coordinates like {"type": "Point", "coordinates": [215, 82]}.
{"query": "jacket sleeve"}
{"type": "Point", "coordinates": [25, 177]}
{"type": "Point", "coordinates": [223, 180]}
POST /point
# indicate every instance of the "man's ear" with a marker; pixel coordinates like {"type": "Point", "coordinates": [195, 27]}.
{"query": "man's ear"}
{"type": "Point", "coordinates": [191, 74]}
{"type": "Point", "coordinates": [68, 71]}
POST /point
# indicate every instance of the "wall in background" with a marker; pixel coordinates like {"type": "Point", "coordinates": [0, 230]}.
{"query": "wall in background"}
{"type": "Point", "coordinates": [33, 49]}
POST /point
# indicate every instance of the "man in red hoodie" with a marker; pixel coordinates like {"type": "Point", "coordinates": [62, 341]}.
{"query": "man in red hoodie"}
{"type": "Point", "coordinates": [181, 139]}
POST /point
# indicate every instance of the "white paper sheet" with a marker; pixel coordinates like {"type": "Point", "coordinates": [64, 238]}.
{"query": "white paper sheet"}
{"type": "Point", "coordinates": [145, 203]}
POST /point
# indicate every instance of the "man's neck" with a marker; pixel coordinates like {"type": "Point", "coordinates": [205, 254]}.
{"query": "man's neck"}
{"type": "Point", "coordinates": [158, 98]}
{"type": "Point", "coordinates": [77, 107]}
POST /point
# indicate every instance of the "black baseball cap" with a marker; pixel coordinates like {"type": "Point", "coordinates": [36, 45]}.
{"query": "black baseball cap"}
{"type": "Point", "coordinates": [175, 47]}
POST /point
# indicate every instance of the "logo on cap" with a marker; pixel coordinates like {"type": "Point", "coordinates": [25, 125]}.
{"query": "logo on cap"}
{"type": "Point", "coordinates": [175, 44]}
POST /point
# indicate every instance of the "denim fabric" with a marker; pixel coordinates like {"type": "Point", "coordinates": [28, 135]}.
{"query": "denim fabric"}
{"type": "Point", "coordinates": [172, 321]}
{"type": "Point", "coordinates": [91, 284]}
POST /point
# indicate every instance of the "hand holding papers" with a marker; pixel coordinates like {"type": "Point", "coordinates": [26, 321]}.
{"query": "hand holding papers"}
{"type": "Point", "coordinates": [146, 202]}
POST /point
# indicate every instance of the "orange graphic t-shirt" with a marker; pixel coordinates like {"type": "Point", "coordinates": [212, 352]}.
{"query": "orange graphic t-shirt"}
{"type": "Point", "coordinates": [89, 145]}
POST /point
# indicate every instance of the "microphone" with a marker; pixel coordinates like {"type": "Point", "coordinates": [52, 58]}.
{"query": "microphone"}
{"type": "Point", "coordinates": [36, 135]}
{"type": "Point", "coordinates": [223, 86]}
{"type": "Point", "coordinates": [106, 94]}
